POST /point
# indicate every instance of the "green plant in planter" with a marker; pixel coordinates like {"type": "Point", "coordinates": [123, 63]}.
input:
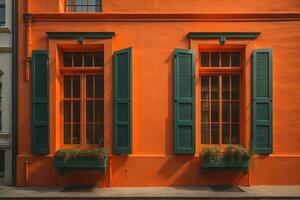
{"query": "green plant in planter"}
{"type": "Point", "coordinates": [210, 153]}
{"type": "Point", "coordinates": [237, 152]}
{"type": "Point", "coordinates": [68, 154]}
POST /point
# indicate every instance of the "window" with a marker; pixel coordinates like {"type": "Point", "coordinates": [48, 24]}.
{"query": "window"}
{"type": "Point", "coordinates": [2, 12]}
{"type": "Point", "coordinates": [220, 97]}
{"type": "Point", "coordinates": [83, 6]}
{"type": "Point", "coordinates": [2, 163]}
{"type": "Point", "coordinates": [83, 91]}
{"type": "Point", "coordinates": [1, 73]}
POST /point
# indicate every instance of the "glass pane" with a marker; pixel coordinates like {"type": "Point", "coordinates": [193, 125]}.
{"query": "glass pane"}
{"type": "Point", "coordinates": [99, 86]}
{"type": "Point", "coordinates": [2, 16]}
{"type": "Point", "coordinates": [91, 2]}
{"type": "Point", "coordinates": [71, 8]}
{"type": "Point", "coordinates": [89, 134]}
{"type": "Point", "coordinates": [91, 8]}
{"type": "Point", "coordinates": [214, 133]}
{"type": "Point", "coordinates": [235, 59]}
{"type": "Point", "coordinates": [99, 59]}
{"type": "Point", "coordinates": [235, 137]}
{"type": "Point", "coordinates": [204, 111]}
{"type": "Point", "coordinates": [67, 111]}
{"type": "Point", "coordinates": [76, 134]}
{"type": "Point", "coordinates": [67, 86]}
{"type": "Point", "coordinates": [205, 133]}
{"type": "Point", "coordinates": [99, 111]}
{"type": "Point", "coordinates": [235, 111]}
{"type": "Point", "coordinates": [214, 87]}
{"type": "Point", "coordinates": [99, 134]}
{"type": "Point", "coordinates": [204, 59]}
{"type": "Point", "coordinates": [89, 86]}
{"type": "Point", "coordinates": [67, 134]}
{"type": "Point", "coordinates": [89, 111]}
{"type": "Point", "coordinates": [88, 59]}
{"type": "Point", "coordinates": [215, 59]}
{"type": "Point", "coordinates": [76, 86]}
{"type": "Point", "coordinates": [225, 134]}
{"type": "Point", "coordinates": [76, 111]}
{"type": "Point", "coordinates": [226, 111]}
{"type": "Point", "coordinates": [235, 87]}
{"type": "Point", "coordinates": [204, 87]}
{"type": "Point", "coordinates": [2, 163]}
{"type": "Point", "coordinates": [77, 59]}
{"type": "Point", "coordinates": [225, 59]}
{"type": "Point", "coordinates": [225, 88]}
{"type": "Point", "coordinates": [215, 111]}
{"type": "Point", "coordinates": [67, 59]}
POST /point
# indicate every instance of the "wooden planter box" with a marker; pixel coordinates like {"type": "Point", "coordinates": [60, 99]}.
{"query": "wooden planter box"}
{"type": "Point", "coordinates": [81, 164]}
{"type": "Point", "coordinates": [222, 163]}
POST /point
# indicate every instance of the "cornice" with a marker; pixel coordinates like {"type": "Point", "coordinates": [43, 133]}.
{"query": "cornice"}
{"type": "Point", "coordinates": [163, 17]}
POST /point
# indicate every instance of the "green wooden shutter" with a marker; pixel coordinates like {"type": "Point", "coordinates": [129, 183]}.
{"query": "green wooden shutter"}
{"type": "Point", "coordinates": [262, 101]}
{"type": "Point", "coordinates": [40, 102]}
{"type": "Point", "coordinates": [122, 101]}
{"type": "Point", "coordinates": [184, 101]}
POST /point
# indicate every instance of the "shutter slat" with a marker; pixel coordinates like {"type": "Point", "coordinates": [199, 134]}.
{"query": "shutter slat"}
{"type": "Point", "coordinates": [262, 101]}
{"type": "Point", "coordinates": [122, 101]}
{"type": "Point", "coordinates": [40, 102]}
{"type": "Point", "coordinates": [184, 102]}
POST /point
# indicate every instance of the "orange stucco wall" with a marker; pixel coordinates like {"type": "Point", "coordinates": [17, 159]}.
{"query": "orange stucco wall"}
{"type": "Point", "coordinates": [153, 40]}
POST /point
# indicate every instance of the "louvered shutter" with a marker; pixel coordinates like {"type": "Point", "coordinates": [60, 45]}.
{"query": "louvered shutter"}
{"type": "Point", "coordinates": [262, 101]}
{"type": "Point", "coordinates": [184, 101]}
{"type": "Point", "coordinates": [122, 101]}
{"type": "Point", "coordinates": [40, 102]}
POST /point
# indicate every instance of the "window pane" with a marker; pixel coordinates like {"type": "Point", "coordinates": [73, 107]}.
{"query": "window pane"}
{"type": "Point", "coordinates": [235, 137]}
{"type": "Point", "coordinates": [215, 59]}
{"type": "Point", "coordinates": [226, 111]}
{"type": "Point", "coordinates": [67, 134]}
{"type": "Point", "coordinates": [235, 85]}
{"type": "Point", "coordinates": [76, 111]}
{"type": "Point", "coordinates": [99, 86]}
{"type": "Point", "coordinates": [77, 59]}
{"type": "Point", "coordinates": [88, 59]}
{"type": "Point", "coordinates": [225, 88]}
{"type": "Point", "coordinates": [214, 87]}
{"type": "Point", "coordinates": [235, 111]}
{"type": "Point", "coordinates": [204, 111]}
{"type": "Point", "coordinates": [99, 59]}
{"type": "Point", "coordinates": [235, 59]}
{"type": "Point", "coordinates": [99, 134]}
{"type": "Point", "coordinates": [225, 59]}
{"type": "Point", "coordinates": [76, 134]}
{"type": "Point", "coordinates": [225, 134]}
{"type": "Point", "coordinates": [76, 86]}
{"type": "Point", "coordinates": [89, 134]}
{"type": "Point", "coordinates": [2, 14]}
{"type": "Point", "coordinates": [204, 133]}
{"type": "Point", "coordinates": [91, 8]}
{"type": "Point", "coordinates": [2, 163]}
{"type": "Point", "coordinates": [204, 59]}
{"type": "Point", "coordinates": [204, 87]}
{"type": "Point", "coordinates": [89, 111]}
{"type": "Point", "coordinates": [91, 2]}
{"type": "Point", "coordinates": [215, 111]}
{"type": "Point", "coordinates": [214, 133]}
{"type": "Point", "coordinates": [67, 111]}
{"type": "Point", "coordinates": [89, 86]}
{"type": "Point", "coordinates": [67, 59]}
{"type": "Point", "coordinates": [67, 86]}
{"type": "Point", "coordinates": [99, 111]}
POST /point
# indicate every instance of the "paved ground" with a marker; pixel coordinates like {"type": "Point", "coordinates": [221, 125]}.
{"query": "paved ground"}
{"type": "Point", "coordinates": [256, 192]}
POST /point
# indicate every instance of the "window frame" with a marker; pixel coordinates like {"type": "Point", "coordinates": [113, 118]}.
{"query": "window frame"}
{"type": "Point", "coordinates": [222, 71]}
{"type": "Point", "coordinates": [67, 7]}
{"type": "Point", "coordinates": [82, 72]}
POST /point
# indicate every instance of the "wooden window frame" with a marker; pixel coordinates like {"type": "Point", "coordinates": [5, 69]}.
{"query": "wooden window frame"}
{"type": "Point", "coordinates": [82, 72]}
{"type": "Point", "coordinates": [222, 71]}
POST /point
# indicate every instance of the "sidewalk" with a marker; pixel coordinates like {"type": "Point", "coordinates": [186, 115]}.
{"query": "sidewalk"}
{"type": "Point", "coordinates": [255, 192]}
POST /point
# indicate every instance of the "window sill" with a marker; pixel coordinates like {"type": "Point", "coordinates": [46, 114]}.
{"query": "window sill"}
{"type": "Point", "coordinates": [4, 29]}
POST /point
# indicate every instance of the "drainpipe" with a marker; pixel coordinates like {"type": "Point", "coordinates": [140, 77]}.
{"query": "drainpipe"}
{"type": "Point", "coordinates": [15, 89]}
{"type": "Point", "coordinates": [28, 22]}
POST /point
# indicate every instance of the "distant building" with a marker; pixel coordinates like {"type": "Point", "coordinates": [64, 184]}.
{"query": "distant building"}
{"type": "Point", "coordinates": [162, 85]}
{"type": "Point", "coordinates": [5, 91]}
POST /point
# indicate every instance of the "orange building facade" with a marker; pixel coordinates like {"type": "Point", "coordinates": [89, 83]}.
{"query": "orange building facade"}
{"type": "Point", "coordinates": [219, 44]}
